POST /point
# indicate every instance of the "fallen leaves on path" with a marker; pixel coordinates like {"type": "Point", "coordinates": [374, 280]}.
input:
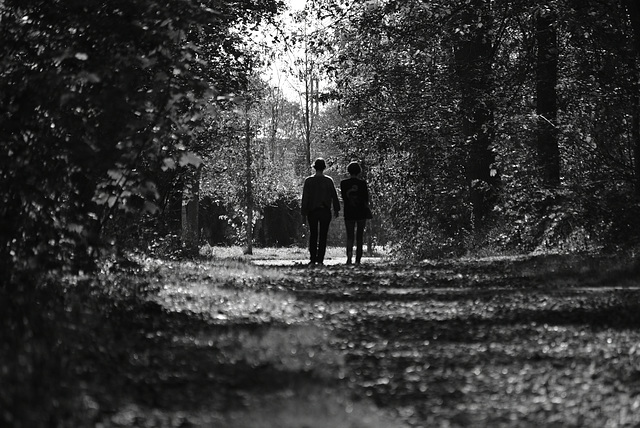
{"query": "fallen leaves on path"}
{"type": "Point", "coordinates": [507, 342]}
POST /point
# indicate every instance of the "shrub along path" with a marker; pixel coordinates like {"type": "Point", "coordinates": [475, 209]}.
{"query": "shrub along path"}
{"type": "Point", "coordinates": [514, 342]}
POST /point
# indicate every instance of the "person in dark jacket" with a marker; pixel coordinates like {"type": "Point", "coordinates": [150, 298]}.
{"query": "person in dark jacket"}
{"type": "Point", "coordinates": [318, 194]}
{"type": "Point", "coordinates": [355, 196]}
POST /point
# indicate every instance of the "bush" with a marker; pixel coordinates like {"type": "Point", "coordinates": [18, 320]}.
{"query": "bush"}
{"type": "Point", "coordinates": [573, 219]}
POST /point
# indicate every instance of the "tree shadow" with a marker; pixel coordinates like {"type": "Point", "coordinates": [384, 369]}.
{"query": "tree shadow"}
{"type": "Point", "coordinates": [143, 355]}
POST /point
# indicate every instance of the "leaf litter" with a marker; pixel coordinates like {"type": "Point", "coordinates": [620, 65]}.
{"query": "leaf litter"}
{"type": "Point", "coordinates": [521, 342]}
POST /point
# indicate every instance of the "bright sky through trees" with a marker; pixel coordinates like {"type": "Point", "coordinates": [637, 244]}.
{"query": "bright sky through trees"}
{"type": "Point", "coordinates": [278, 73]}
{"type": "Point", "coordinates": [297, 4]}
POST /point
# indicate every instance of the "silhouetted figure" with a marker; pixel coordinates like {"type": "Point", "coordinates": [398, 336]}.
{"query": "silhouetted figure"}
{"type": "Point", "coordinates": [318, 194]}
{"type": "Point", "coordinates": [355, 196]}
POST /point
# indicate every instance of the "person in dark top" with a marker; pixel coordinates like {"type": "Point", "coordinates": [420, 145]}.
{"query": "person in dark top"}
{"type": "Point", "coordinates": [355, 196]}
{"type": "Point", "coordinates": [318, 194]}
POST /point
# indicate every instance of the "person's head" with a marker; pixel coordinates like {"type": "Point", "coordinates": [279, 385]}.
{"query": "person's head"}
{"type": "Point", "coordinates": [319, 164]}
{"type": "Point", "coordinates": [354, 168]}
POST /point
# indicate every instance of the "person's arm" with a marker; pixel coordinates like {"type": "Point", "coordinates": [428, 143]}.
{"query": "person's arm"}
{"type": "Point", "coordinates": [336, 201]}
{"type": "Point", "coordinates": [304, 207]}
{"type": "Point", "coordinates": [366, 193]}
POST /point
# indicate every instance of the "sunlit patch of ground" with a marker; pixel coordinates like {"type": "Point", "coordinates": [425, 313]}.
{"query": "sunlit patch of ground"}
{"type": "Point", "coordinates": [259, 253]}
{"type": "Point", "coordinates": [289, 256]}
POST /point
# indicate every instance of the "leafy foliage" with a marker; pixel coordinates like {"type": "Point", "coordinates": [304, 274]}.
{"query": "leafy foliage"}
{"type": "Point", "coordinates": [98, 97]}
{"type": "Point", "coordinates": [408, 117]}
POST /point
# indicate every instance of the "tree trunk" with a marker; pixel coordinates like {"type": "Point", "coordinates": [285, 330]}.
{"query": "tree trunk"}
{"type": "Point", "coordinates": [249, 180]}
{"type": "Point", "coordinates": [273, 133]}
{"type": "Point", "coordinates": [190, 203]}
{"type": "Point", "coordinates": [308, 117]}
{"type": "Point", "coordinates": [635, 133]}
{"type": "Point", "coordinates": [473, 65]}
{"type": "Point", "coordinates": [309, 99]}
{"type": "Point", "coordinates": [546, 96]}
{"type": "Point", "coordinates": [633, 9]}
{"type": "Point", "coordinates": [276, 113]}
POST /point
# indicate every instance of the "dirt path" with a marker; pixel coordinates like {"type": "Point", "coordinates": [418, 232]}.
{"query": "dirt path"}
{"type": "Point", "coordinates": [522, 342]}
{"type": "Point", "coordinates": [333, 261]}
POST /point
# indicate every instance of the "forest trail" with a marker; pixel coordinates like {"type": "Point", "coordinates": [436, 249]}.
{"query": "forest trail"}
{"type": "Point", "coordinates": [513, 342]}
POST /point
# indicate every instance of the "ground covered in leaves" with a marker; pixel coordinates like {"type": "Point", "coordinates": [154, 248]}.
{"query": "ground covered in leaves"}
{"type": "Point", "coordinates": [546, 340]}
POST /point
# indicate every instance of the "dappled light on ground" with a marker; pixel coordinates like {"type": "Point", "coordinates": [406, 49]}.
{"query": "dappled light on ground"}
{"type": "Point", "coordinates": [521, 342]}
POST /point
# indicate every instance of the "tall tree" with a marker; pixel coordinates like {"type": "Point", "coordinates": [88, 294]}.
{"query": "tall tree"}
{"type": "Point", "coordinates": [633, 9]}
{"type": "Point", "coordinates": [248, 185]}
{"type": "Point", "coordinates": [546, 95]}
{"type": "Point", "coordinates": [305, 69]}
{"type": "Point", "coordinates": [473, 64]}
{"type": "Point", "coordinates": [190, 218]}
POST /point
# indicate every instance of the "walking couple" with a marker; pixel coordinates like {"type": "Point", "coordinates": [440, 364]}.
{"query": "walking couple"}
{"type": "Point", "coordinates": [318, 196]}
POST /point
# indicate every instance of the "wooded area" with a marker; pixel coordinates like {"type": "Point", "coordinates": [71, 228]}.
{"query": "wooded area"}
{"type": "Point", "coordinates": [511, 126]}
{"type": "Point", "coordinates": [513, 121]}
{"type": "Point", "coordinates": [152, 127]}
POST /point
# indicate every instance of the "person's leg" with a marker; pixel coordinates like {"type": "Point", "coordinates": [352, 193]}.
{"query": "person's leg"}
{"type": "Point", "coordinates": [360, 239]}
{"type": "Point", "coordinates": [350, 225]}
{"type": "Point", "coordinates": [324, 220]}
{"type": "Point", "coordinates": [312, 220]}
